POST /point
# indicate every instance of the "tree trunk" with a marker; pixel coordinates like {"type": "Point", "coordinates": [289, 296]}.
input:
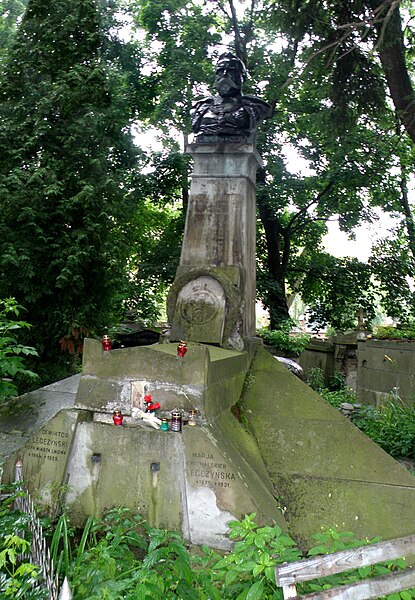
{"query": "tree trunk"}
{"type": "Point", "coordinates": [391, 49]}
{"type": "Point", "coordinates": [276, 299]}
{"type": "Point", "coordinates": [408, 216]}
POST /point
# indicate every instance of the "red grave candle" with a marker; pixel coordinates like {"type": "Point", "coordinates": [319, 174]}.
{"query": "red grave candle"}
{"type": "Point", "coordinates": [181, 349]}
{"type": "Point", "coordinates": [106, 342]}
{"type": "Point", "coordinates": [117, 417]}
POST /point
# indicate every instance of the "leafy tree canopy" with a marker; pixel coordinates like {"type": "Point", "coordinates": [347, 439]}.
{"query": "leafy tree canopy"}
{"type": "Point", "coordinates": [66, 171]}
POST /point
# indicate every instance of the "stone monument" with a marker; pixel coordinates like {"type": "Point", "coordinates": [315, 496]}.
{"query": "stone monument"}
{"type": "Point", "coordinates": [262, 441]}
{"type": "Point", "coordinates": [212, 299]}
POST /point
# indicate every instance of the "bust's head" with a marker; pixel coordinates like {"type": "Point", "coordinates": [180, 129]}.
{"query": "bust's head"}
{"type": "Point", "coordinates": [229, 75]}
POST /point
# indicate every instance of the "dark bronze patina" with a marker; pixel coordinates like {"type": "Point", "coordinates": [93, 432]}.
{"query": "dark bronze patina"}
{"type": "Point", "coordinates": [229, 116]}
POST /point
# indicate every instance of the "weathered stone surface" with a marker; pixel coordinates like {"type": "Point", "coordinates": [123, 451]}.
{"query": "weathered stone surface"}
{"type": "Point", "coordinates": [382, 366]}
{"type": "Point", "coordinates": [200, 311]}
{"type": "Point", "coordinates": [44, 458]}
{"type": "Point", "coordinates": [348, 505]}
{"type": "Point", "coordinates": [319, 354]}
{"type": "Point", "coordinates": [135, 467]}
{"type": "Point", "coordinates": [157, 362]}
{"type": "Point", "coordinates": [221, 220]}
{"type": "Point", "coordinates": [207, 378]}
{"type": "Point", "coordinates": [296, 451]}
{"type": "Point", "coordinates": [230, 280]}
{"type": "Point", "coordinates": [23, 417]}
{"type": "Point", "coordinates": [221, 485]}
{"type": "Point", "coordinates": [9, 445]}
{"type": "Point", "coordinates": [327, 472]}
{"type": "Point", "coordinates": [104, 395]}
{"type": "Point", "coordinates": [195, 481]}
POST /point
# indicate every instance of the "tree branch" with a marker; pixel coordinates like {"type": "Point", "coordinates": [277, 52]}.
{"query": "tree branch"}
{"type": "Point", "coordinates": [239, 44]}
{"type": "Point", "coordinates": [291, 225]}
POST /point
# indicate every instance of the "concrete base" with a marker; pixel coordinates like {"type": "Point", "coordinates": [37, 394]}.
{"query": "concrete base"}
{"type": "Point", "coordinates": [295, 452]}
{"type": "Point", "coordinates": [196, 480]}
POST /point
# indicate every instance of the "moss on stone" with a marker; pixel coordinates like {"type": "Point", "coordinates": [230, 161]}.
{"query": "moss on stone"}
{"type": "Point", "coordinates": [327, 471]}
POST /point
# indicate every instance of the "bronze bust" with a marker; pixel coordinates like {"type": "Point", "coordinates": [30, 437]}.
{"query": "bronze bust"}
{"type": "Point", "coordinates": [229, 116]}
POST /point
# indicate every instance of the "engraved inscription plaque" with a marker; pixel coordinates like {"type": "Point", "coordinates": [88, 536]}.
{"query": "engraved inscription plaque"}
{"type": "Point", "coordinates": [208, 469]}
{"type": "Point", "coordinates": [45, 455]}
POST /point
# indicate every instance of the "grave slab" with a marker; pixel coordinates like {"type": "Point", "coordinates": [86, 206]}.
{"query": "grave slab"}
{"type": "Point", "coordinates": [23, 417]}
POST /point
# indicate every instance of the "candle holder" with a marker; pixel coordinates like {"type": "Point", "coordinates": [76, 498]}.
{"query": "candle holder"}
{"type": "Point", "coordinates": [193, 417]}
{"type": "Point", "coordinates": [106, 343]}
{"type": "Point", "coordinates": [176, 420]}
{"type": "Point", "coordinates": [181, 349]}
{"type": "Point", "coordinates": [117, 417]}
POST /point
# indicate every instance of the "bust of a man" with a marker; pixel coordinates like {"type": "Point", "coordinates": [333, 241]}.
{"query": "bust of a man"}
{"type": "Point", "coordinates": [229, 115]}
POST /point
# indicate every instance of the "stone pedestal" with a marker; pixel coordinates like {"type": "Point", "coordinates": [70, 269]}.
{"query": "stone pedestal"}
{"type": "Point", "coordinates": [213, 297]}
{"type": "Point", "coordinates": [195, 480]}
{"type": "Point", "coordinates": [294, 450]}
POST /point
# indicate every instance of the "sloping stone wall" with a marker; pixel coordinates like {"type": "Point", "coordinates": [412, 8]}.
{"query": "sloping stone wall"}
{"type": "Point", "coordinates": [327, 472]}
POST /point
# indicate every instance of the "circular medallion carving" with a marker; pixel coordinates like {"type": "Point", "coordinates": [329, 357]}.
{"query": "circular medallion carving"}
{"type": "Point", "coordinates": [201, 300]}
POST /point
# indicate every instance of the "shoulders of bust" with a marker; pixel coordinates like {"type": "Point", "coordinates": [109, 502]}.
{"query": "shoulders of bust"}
{"type": "Point", "coordinates": [205, 100]}
{"type": "Point", "coordinates": [248, 99]}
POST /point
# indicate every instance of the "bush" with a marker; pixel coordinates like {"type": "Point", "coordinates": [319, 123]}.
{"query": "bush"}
{"type": "Point", "coordinates": [122, 557]}
{"type": "Point", "coordinates": [285, 339]}
{"type": "Point", "coordinates": [315, 379]}
{"type": "Point", "coordinates": [336, 393]}
{"type": "Point", "coordinates": [18, 579]}
{"type": "Point", "coordinates": [394, 333]}
{"type": "Point", "coordinates": [391, 426]}
{"type": "Point", "coordinates": [12, 353]}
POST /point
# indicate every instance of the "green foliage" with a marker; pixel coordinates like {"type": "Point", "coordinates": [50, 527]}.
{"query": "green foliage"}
{"type": "Point", "coordinates": [90, 226]}
{"type": "Point", "coordinates": [332, 541]}
{"type": "Point", "coordinates": [335, 289]}
{"type": "Point", "coordinates": [337, 397]}
{"type": "Point", "coordinates": [285, 339]}
{"type": "Point", "coordinates": [338, 381]}
{"type": "Point", "coordinates": [66, 172]}
{"type": "Point", "coordinates": [336, 393]}
{"type": "Point", "coordinates": [185, 31]}
{"type": "Point", "coordinates": [393, 265]}
{"type": "Point", "coordinates": [12, 353]}
{"type": "Point", "coordinates": [312, 114]}
{"type": "Point", "coordinates": [394, 333]}
{"type": "Point", "coordinates": [10, 13]}
{"type": "Point", "coordinates": [121, 557]}
{"type": "Point", "coordinates": [247, 571]}
{"type": "Point", "coordinates": [18, 579]}
{"type": "Point", "coordinates": [315, 379]}
{"type": "Point", "coordinates": [392, 426]}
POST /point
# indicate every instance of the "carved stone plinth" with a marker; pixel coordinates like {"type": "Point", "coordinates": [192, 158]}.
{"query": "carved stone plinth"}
{"type": "Point", "coordinates": [213, 297]}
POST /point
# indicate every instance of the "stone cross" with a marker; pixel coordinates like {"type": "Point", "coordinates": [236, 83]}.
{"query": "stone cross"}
{"type": "Point", "coordinates": [361, 316]}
